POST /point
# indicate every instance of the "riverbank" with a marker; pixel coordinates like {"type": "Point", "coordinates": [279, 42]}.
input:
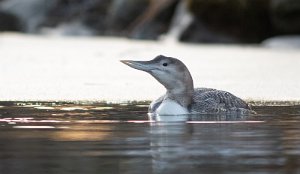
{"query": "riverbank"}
{"type": "Point", "coordinates": [41, 68]}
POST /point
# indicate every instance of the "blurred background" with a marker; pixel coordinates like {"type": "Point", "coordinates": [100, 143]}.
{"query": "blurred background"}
{"type": "Point", "coordinates": [197, 21]}
{"type": "Point", "coordinates": [70, 49]}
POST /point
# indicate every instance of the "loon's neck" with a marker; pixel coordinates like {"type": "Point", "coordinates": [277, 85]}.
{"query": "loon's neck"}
{"type": "Point", "coordinates": [181, 91]}
{"type": "Point", "coordinates": [181, 96]}
{"type": "Point", "coordinates": [176, 102]}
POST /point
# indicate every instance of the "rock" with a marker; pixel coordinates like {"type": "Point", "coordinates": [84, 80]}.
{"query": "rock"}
{"type": "Point", "coordinates": [181, 20]}
{"type": "Point", "coordinates": [198, 32]}
{"type": "Point", "coordinates": [286, 15]}
{"type": "Point", "coordinates": [233, 20]}
{"type": "Point", "coordinates": [31, 13]}
{"type": "Point", "coordinates": [9, 22]}
{"type": "Point", "coordinates": [123, 14]}
{"type": "Point", "coordinates": [215, 21]}
{"type": "Point", "coordinates": [91, 13]}
{"type": "Point", "coordinates": [117, 18]}
{"type": "Point", "coordinates": [155, 21]}
{"type": "Point", "coordinates": [95, 15]}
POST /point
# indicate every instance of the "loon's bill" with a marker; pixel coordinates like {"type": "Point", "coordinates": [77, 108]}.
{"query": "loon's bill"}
{"type": "Point", "coordinates": [139, 65]}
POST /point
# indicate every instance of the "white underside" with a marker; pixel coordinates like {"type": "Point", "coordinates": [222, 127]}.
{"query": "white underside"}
{"type": "Point", "coordinates": [170, 107]}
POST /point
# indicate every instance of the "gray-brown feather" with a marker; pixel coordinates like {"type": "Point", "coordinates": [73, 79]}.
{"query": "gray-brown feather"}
{"type": "Point", "coordinates": [207, 100]}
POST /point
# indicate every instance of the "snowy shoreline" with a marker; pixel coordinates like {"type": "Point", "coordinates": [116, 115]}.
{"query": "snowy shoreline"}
{"type": "Point", "coordinates": [44, 68]}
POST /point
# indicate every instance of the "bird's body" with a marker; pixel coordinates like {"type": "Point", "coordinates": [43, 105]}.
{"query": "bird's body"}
{"type": "Point", "coordinates": [208, 100]}
{"type": "Point", "coordinates": [181, 97]}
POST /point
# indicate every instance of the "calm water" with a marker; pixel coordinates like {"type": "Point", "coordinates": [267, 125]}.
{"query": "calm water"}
{"type": "Point", "coordinates": [46, 138]}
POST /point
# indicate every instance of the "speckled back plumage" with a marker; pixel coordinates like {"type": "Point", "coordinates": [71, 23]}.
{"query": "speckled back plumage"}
{"type": "Point", "coordinates": [208, 100]}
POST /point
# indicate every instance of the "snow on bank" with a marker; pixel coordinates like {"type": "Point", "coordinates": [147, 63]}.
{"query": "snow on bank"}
{"type": "Point", "coordinates": [60, 68]}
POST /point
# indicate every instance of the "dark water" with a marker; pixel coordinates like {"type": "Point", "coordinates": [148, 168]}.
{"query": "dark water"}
{"type": "Point", "coordinates": [46, 138]}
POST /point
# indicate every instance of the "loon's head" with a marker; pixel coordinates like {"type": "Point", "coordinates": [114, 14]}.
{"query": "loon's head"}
{"type": "Point", "coordinates": [170, 72]}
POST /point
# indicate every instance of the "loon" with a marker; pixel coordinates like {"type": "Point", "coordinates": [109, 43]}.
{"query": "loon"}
{"type": "Point", "coordinates": [181, 98]}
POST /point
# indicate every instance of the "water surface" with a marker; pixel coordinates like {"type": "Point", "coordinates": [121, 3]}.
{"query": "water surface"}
{"type": "Point", "coordinates": [45, 137]}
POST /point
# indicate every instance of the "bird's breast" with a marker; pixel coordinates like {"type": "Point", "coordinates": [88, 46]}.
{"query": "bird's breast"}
{"type": "Point", "coordinates": [171, 107]}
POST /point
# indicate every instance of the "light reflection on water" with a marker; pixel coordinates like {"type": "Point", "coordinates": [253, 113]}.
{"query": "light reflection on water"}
{"type": "Point", "coordinates": [99, 138]}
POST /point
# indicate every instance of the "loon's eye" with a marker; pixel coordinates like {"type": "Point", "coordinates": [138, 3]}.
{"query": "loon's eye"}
{"type": "Point", "coordinates": [165, 64]}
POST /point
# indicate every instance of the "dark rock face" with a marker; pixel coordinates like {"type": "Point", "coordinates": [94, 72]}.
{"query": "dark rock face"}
{"type": "Point", "coordinates": [232, 20]}
{"type": "Point", "coordinates": [30, 13]}
{"type": "Point", "coordinates": [199, 32]}
{"type": "Point", "coordinates": [152, 24]}
{"type": "Point", "coordinates": [91, 13]}
{"type": "Point", "coordinates": [143, 19]}
{"type": "Point", "coordinates": [214, 21]}
{"type": "Point", "coordinates": [286, 15]}
{"type": "Point", "coordinates": [123, 14]}
{"type": "Point", "coordinates": [113, 17]}
{"type": "Point", "coordinates": [9, 22]}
